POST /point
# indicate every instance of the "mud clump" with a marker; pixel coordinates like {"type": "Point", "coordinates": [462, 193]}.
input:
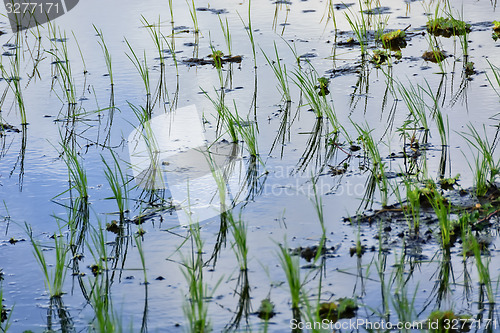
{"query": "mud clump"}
{"type": "Point", "coordinates": [435, 56]}
{"type": "Point", "coordinates": [211, 60]}
{"type": "Point", "coordinates": [447, 27]}
{"type": "Point", "coordinates": [394, 40]}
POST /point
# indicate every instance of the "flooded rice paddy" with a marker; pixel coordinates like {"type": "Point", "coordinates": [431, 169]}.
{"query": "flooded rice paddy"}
{"type": "Point", "coordinates": [252, 166]}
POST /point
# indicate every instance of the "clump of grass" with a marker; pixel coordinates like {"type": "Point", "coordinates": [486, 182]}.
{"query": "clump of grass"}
{"type": "Point", "coordinates": [226, 118]}
{"type": "Point", "coordinates": [291, 266]}
{"type": "Point", "coordinates": [360, 28]}
{"type": "Point", "coordinates": [266, 309]}
{"type": "Point", "coordinates": [322, 86]}
{"type": "Point", "coordinates": [54, 278]}
{"type": "Point", "coordinates": [118, 183]}
{"type": "Point", "coordinates": [194, 17]}
{"type": "Point", "coordinates": [280, 72]}
{"type": "Point", "coordinates": [496, 74]}
{"type": "Point", "coordinates": [444, 318]}
{"type": "Point", "coordinates": [377, 165]}
{"type": "Point", "coordinates": [143, 70]}
{"type": "Point", "coordinates": [217, 58]}
{"type": "Point", "coordinates": [196, 305]}
{"type": "Point", "coordinates": [63, 66]}
{"type": "Point", "coordinates": [394, 40]}
{"type": "Point", "coordinates": [306, 81]}
{"type": "Point", "coordinates": [483, 270]}
{"type": "Point", "coordinates": [248, 132]}
{"type": "Point", "coordinates": [435, 56]}
{"type": "Point", "coordinates": [447, 26]}
{"type": "Point", "coordinates": [496, 30]}
{"type": "Point", "coordinates": [227, 35]}
{"type": "Point", "coordinates": [380, 57]}
{"type": "Point", "coordinates": [442, 209]}
{"type": "Point", "coordinates": [486, 166]}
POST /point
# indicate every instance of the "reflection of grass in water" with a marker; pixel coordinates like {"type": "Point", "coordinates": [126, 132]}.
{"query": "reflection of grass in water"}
{"type": "Point", "coordinates": [196, 305]}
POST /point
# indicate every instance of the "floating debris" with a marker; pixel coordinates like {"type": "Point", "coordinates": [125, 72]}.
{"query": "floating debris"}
{"type": "Point", "coordinates": [8, 128]}
{"type": "Point", "coordinates": [209, 60]}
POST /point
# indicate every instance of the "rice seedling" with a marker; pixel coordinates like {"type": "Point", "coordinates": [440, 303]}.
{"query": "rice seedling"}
{"type": "Point", "coordinates": [152, 178]}
{"type": "Point", "coordinates": [194, 17]}
{"type": "Point", "coordinates": [76, 174]}
{"type": "Point", "coordinates": [291, 266]}
{"type": "Point", "coordinates": [118, 183]}
{"type": "Point", "coordinates": [171, 10]}
{"type": "Point", "coordinates": [228, 120]}
{"type": "Point", "coordinates": [196, 305]}
{"type": "Point", "coordinates": [483, 270]}
{"type": "Point", "coordinates": [13, 79]}
{"type": "Point", "coordinates": [171, 49]}
{"type": "Point", "coordinates": [281, 74]}
{"type": "Point", "coordinates": [107, 55]}
{"type": "Point", "coordinates": [329, 13]}
{"type": "Point", "coordinates": [437, 115]}
{"type": "Point", "coordinates": [64, 73]}
{"type": "Point", "coordinates": [249, 30]}
{"type": "Point", "coordinates": [54, 278]}
{"type": "Point", "coordinates": [81, 53]}
{"type": "Point", "coordinates": [442, 209]}
{"type": "Point", "coordinates": [360, 28]}
{"type": "Point", "coordinates": [227, 35]}
{"type": "Point", "coordinates": [496, 75]}
{"type": "Point", "coordinates": [378, 166]}
{"type": "Point", "coordinates": [158, 38]}
{"type": "Point", "coordinates": [317, 202]}
{"type": "Point", "coordinates": [486, 167]}
{"type": "Point", "coordinates": [248, 132]}
{"type": "Point", "coordinates": [307, 82]}
{"type": "Point", "coordinates": [143, 70]}
{"type": "Point", "coordinates": [106, 319]}
{"type": "Point", "coordinates": [435, 54]}
{"type": "Point", "coordinates": [414, 100]}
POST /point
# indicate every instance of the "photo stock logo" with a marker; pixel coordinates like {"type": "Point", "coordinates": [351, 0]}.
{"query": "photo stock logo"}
{"type": "Point", "coordinates": [170, 152]}
{"type": "Point", "coordinates": [25, 14]}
